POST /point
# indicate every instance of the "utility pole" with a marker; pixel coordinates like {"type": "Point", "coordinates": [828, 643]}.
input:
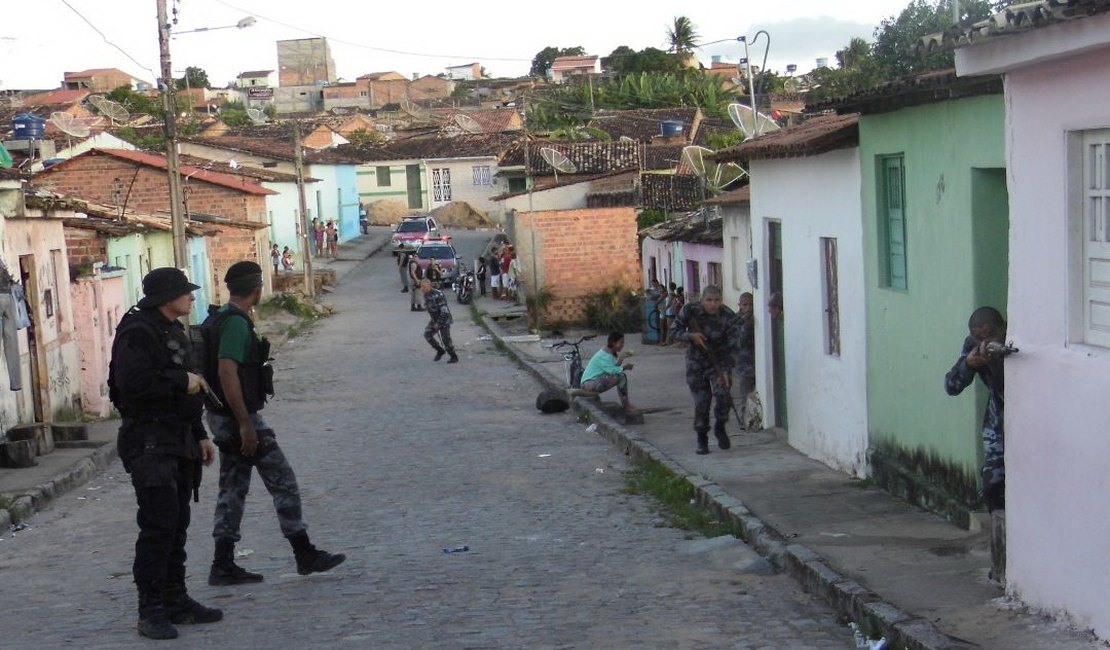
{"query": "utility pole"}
{"type": "Point", "coordinates": [169, 108]}
{"type": "Point", "coordinates": [532, 219]}
{"type": "Point", "coordinates": [298, 161]}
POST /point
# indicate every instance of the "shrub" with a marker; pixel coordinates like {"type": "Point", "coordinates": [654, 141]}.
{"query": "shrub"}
{"type": "Point", "coordinates": [615, 309]}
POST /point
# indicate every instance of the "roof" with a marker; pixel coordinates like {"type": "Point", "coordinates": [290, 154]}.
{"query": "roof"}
{"type": "Point", "coordinates": [466, 145]}
{"type": "Point", "coordinates": [159, 162]}
{"type": "Point", "coordinates": [56, 98]}
{"type": "Point", "coordinates": [590, 157]}
{"type": "Point", "coordinates": [913, 90]}
{"type": "Point", "coordinates": [1015, 19]}
{"type": "Point", "coordinates": [256, 173]}
{"type": "Point", "coordinates": [699, 227]}
{"type": "Point", "coordinates": [254, 73]}
{"type": "Point", "coordinates": [462, 65]}
{"type": "Point", "coordinates": [643, 124]}
{"type": "Point", "coordinates": [93, 71]}
{"type": "Point", "coordinates": [10, 174]}
{"type": "Point", "coordinates": [491, 120]}
{"type": "Point", "coordinates": [564, 62]}
{"type": "Point", "coordinates": [275, 148]}
{"type": "Point", "coordinates": [816, 135]}
{"type": "Point", "coordinates": [566, 180]}
{"type": "Point", "coordinates": [741, 196]}
{"type": "Point", "coordinates": [658, 157]}
{"type": "Point", "coordinates": [380, 76]}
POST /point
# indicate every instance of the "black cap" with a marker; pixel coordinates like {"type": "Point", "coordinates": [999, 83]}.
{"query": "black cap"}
{"type": "Point", "coordinates": [164, 285]}
{"type": "Point", "coordinates": [243, 276]}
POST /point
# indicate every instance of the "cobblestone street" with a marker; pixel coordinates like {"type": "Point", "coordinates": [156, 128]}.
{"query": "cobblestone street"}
{"type": "Point", "coordinates": [399, 458]}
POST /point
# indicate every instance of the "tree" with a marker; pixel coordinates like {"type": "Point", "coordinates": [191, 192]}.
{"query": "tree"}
{"type": "Point", "coordinates": [682, 35]}
{"type": "Point", "coordinates": [194, 78]}
{"type": "Point", "coordinates": [541, 63]}
{"type": "Point", "coordinates": [853, 53]}
{"type": "Point", "coordinates": [624, 61]}
{"type": "Point", "coordinates": [896, 36]}
{"type": "Point", "coordinates": [137, 102]}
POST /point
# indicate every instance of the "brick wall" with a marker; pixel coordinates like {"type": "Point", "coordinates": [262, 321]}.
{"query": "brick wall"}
{"type": "Point", "coordinates": [579, 252]}
{"type": "Point", "coordinates": [83, 247]}
{"type": "Point", "coordinates": [108, 180]}
{"type": "Point", "coordinates": [232, 245]}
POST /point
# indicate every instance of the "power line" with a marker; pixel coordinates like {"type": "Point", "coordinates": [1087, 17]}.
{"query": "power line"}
{"type": "Point", "coordinates": [370, 47]}
{"type": "Point", "coordinates": [106, 40]}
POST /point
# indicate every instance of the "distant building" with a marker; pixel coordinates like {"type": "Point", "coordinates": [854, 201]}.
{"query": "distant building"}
{"type": "Point", "coordinates": [305, 62]}
{"type": "Point", "coordinates": [101, 80]}
{"type": "Point", "coordinates": [467, 72]}
{"type": "Point", "coordinates": [568, 66]}
{"type": "Point", "coordinates": [254, 79]}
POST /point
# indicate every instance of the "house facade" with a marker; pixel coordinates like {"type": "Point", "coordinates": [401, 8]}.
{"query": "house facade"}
{"type": "Point", "coordinates": [935, 218]}
{"type": "Point", "coordinates": [568, 66]}
{"type": "Point", "coordinates": [1056, 412]}
{"type": "Point", "coordinates": [734, 208]}
{"type": "Point", "coordinates": [811, 366]}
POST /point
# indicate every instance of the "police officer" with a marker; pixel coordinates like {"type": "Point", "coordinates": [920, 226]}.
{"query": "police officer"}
{"type": "Point", "coordinates": [439, 321]}
{"type": "Point", "coordinates": [711, 329]}
{"type": "Point", "coordinates": [162, 443]}
{"type": "Point", "coordinates": [403, 258]}
{"type": "Point", "coordinates": [416, 275]}
{"type": "Point", "coordinates": [242, 378]}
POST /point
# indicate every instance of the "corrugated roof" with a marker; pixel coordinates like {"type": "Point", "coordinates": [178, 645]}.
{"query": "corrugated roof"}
{"type": "Point", "coordinates": [644, 124]}
{"type": "Point", "coordinates": [739, 196]}
{"type": "Point", "coordinates": [256, 173]}
{"type": "Point", "coordinates": [591, 157]}
{"type": "Point", "coordinates": [159, 161]}
{"type": "Point", "coordinates": [572, 62]}
{"type": "Point", "coordinates": [699, 227]}
{"type": "Point", "coordinates": [436, 147]}
{"type": "Point", "coordinates": [60, 97]}
{"type": "Point", "coordinates": [277, 149]}
{"type": "Point", "coordinates": [1015, 19]}
{"type": "Point", "coordinates": [816, 135]}
{"type": "Point", "coordinates": [913, 90]}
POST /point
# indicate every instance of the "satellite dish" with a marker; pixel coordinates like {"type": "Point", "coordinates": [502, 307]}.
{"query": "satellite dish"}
{"type": "Point", "coordinates": [413, 111]}
{"type": "Point", "coordinates": [69, 124]}
{"type": "Point", "coordinates": [797, 84]}
{"type": "Point", "coordinates": [468, 124]}
{"type": "Point", "coordinates": [558, 161]}
{"type": "Point", "coordinates": [625, 138]}
{"type": "Point", "coordinates": [751, 123]}
{"type": "Point", "coordinates": [257, 116]}
{"type": "Point", "coordinates": [113, 111]}
{"type": "Point", "coordinates": [718, 177]}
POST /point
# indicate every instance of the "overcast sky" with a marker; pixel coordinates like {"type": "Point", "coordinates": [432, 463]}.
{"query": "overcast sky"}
{"type": "Point", "coordinates": [49, 38]}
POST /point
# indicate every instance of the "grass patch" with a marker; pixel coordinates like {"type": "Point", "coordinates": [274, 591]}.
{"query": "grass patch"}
{"type": "Point", "coordinates": [290, 303]}
{"type": "Point", "coordinates": [5, 503]}
{"type": "Point", "coordinates": [675, 496]}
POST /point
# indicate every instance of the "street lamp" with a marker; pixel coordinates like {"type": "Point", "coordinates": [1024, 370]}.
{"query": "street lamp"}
{"type": "Point", "coordinates": [751, 78]}
{"type": "Point", "coordinates": [242, 24]}
{"type": "Point", "coordinates": [169, 109]}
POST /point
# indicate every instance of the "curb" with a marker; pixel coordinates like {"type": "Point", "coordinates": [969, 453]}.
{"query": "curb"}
{"type": "Point", "coordinates": [26, 503]}
{"type": "Point", "coordinates": [846, 596]}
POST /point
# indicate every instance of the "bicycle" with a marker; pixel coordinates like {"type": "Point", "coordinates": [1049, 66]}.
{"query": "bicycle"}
{"type": "Point", "coordinates": [572, 361]}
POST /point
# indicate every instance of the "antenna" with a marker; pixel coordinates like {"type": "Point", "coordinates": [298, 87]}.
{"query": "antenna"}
{"type": "Point", "coordinates": [257, 116]}
{"type": "Point", "coordinates": [112, 110]}
{"type": "Point", "coordinates": [69, 124]}
{"type": "Point", "coordinates": [558, 161]}
{"type": "Point", "coordinates": [750, 122]}
{"type": "Point", "coordinates": [468, 124]}
{"type": "Point", "coordinates": [717, 177]}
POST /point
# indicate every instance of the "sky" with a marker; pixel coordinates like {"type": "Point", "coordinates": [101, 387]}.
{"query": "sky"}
{"type": "Point", "coordinates": [50, 37]}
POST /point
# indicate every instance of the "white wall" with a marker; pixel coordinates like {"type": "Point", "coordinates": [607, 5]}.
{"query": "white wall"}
{"type": "Point", "coordinates": [737, 240]}
{"type": "Point", "coordinates": [566, 197]}
{"type": "Point", "coordinates": [283, 214]}
{"type": "Point", "coordinates": [462, 182]}
{"type": "Point", "coordinates": [1057, 411]}
{"type": "Point", "coordinates": [815, 197]}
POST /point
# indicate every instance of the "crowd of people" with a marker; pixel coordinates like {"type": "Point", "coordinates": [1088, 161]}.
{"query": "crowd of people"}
{"type": "Point", "coordinates": [500, 263]}
{"type": "Point", "coordinates": [324, 242]}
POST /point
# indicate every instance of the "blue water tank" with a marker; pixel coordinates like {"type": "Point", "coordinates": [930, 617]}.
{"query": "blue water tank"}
{"type": "Point", "coordinates": [26, 126]}
{"type": "Point", "coordinates": [670, 128]}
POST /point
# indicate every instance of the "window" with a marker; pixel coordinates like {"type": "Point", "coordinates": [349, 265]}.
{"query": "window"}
{"type": "Point", "coordinates": [713, 270]}
{"type": "Point", "coordinates": [481, 175]}
{"type": "Point", "coordinates": [441, 185]}
{"type": "Point", "coordinates": [518, 184]}
{"type": "Point", "coordinates": [830, 284]}
{"type": "Point", "coordinates": [693, 279]}
{"type": "Point", "coordinates": [1095, 258]}
{"type": "Point", "coordinates": [653, 269]}
{"type": "Point", "coordinates": [385, 178]}
{"type": "Point", "coordinates": [892, 222]}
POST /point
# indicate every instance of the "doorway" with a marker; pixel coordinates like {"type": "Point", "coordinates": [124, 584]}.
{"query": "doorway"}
{"type": "Point", "coordinates": [414, 187]}
{"type": "Point", "coordinates": [778, 332]}
{"type": "Point", "coordinates": [28, 275]}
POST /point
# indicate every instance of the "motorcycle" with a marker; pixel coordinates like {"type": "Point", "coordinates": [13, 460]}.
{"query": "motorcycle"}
{"type": "Point", "coordinates": [464, 286]}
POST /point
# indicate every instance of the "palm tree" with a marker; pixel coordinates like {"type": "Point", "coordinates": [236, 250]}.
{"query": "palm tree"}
{"type": "Point", "coordinates": [682, 36]}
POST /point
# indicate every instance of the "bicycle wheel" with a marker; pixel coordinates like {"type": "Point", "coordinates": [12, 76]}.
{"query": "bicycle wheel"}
{"type": "Point", "coordinates": [653, 320]}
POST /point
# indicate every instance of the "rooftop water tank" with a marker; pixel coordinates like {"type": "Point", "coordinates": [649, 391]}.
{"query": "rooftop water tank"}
{"type": "Point", "coordinates": [26, 126]}
{"type": "Point", "coordinates": [670, 128]}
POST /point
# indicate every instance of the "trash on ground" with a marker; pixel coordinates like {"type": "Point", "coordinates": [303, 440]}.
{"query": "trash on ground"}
{"type": "Point", "coordinates": [591, 429]}
{"type": "Point", "coordinates": [600, 470]}
{"type": "Point", "coordinates": [93, 488]}
{"type": "Point", "coordinates": [864, 643]}
{"type": "Point", "coordinates": [485, 337]}
{"type": "Point", "coordinates": [244, 552]}
{"type": "Point", "coordinates": [456, 549]}
{"type": "Point", "coordinates": [545, 455]}
{"type": "Point", "coordinates": [82, 498]}
{"type": "Point", "coordinates": [18, 527]}
{"type": "Point", "coordinates": [834, 534]}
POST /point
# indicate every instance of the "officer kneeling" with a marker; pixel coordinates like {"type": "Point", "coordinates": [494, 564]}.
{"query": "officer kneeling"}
{"type": "Point", "coordinates": [162, 443]}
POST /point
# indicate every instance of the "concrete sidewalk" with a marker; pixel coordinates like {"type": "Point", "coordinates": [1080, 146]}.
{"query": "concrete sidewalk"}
{"type": "Point", "coordinates": [900, 571]}
{"type": "Point", "coordinates": [25, 491]}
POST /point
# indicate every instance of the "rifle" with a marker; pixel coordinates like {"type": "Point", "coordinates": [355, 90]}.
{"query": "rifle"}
{"type": "Point", "coordinates": [721, 374]}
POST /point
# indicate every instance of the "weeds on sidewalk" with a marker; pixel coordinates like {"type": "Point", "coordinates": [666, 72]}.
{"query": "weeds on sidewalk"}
{"type": "Point", "coordinates": [675, 497]}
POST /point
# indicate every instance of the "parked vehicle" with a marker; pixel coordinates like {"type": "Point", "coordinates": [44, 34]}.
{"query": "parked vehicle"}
{"type": "Point", "coordinates": [464, 285]}
{"type": "Point", "coordinates": [412, 232]}
{"type": "Point", "coordinates": [572, 361]}
{"type": "Point", "coordinates": [442, 252]}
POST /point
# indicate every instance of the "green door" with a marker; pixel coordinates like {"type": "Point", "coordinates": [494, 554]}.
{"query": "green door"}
{"type": "Point", "coordinates": [416, 191]}
{"type": "Point", "coordinates": [778, 331]}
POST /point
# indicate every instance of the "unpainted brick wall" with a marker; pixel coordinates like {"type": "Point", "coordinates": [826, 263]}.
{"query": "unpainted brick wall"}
{"type": "Point", "coordinates": [84, 247]}
{"type": "Point", "coordinates": [230, 246]}
{"type": "Point", "coordinates": [579, 252]}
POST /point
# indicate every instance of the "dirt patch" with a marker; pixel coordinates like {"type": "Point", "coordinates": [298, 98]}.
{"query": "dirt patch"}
{"type": "Point", "coordinates": [460, 214]}
{"type": "Point", "coordinates": [387, 212]}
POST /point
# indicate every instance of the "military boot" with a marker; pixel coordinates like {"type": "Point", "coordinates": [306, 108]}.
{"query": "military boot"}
{"type": "Point", "coordinates": [224, 571]}
{"type": "Point", "coordinates": [153, 621]}
{"type": "Point", "coordinates": [703, 443]}
{"type": "Point", "coordinates": [453, 358]}
{"type": "Point", "coordinates": [439, 352]}
{"type": "Point", "coordinates": [311, 559]}
{"type": "Point", "coordinates": [722, 438]}
{"type": "Point", "coordinates": [183, 610]}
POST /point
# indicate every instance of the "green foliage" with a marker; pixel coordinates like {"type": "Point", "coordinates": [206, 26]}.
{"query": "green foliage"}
{"type": "Point", "coordinates": [649, 218]}
{"type": "Point", "coordinates": [615, 309]}
{"type": "Point", "coordinates": [363, 137]}
{"type": "Point", "coordinates": [194, 78]}
{"type": "Point", "coordinates": [234, 114]}
{"type": "Point", "coordinates": [718, 141]}
{"type": "Point", "coordinates": [537, 302]}
{"type": "Point", "coordinates": [682, 36]}
{"type": "Point", "coordinates": [136, 102]}
{"type": "Point", "coordinates": [545, 57]}
{"type": "Point", "coordinates": [270, 111]}
{"type": "Point", "coordinates": [677, 499]}
{"type": "Point", "coordinates": [625, 61]}
{"type": "Point", "coordinates": [146, 139]}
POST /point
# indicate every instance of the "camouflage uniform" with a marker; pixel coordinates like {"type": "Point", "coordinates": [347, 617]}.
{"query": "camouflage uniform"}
{"type": "Point", "coordinates": [235, 478]}
{"type": "Point", "coordinates": [440, 321]}
{"type": "Point", "coordinates": [722, 343]}
{"type": "Point", "coordinates": [994, 439]}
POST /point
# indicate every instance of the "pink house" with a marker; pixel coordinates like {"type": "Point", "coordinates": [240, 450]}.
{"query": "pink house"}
{"type": "Point", "coordinates": [686, 250]}
{"type": "Point", "coordinates": [568, 66]}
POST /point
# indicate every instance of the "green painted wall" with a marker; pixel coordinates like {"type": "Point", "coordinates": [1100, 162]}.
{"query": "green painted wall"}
{"type": "Point", "coordinates": [914, 336]}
